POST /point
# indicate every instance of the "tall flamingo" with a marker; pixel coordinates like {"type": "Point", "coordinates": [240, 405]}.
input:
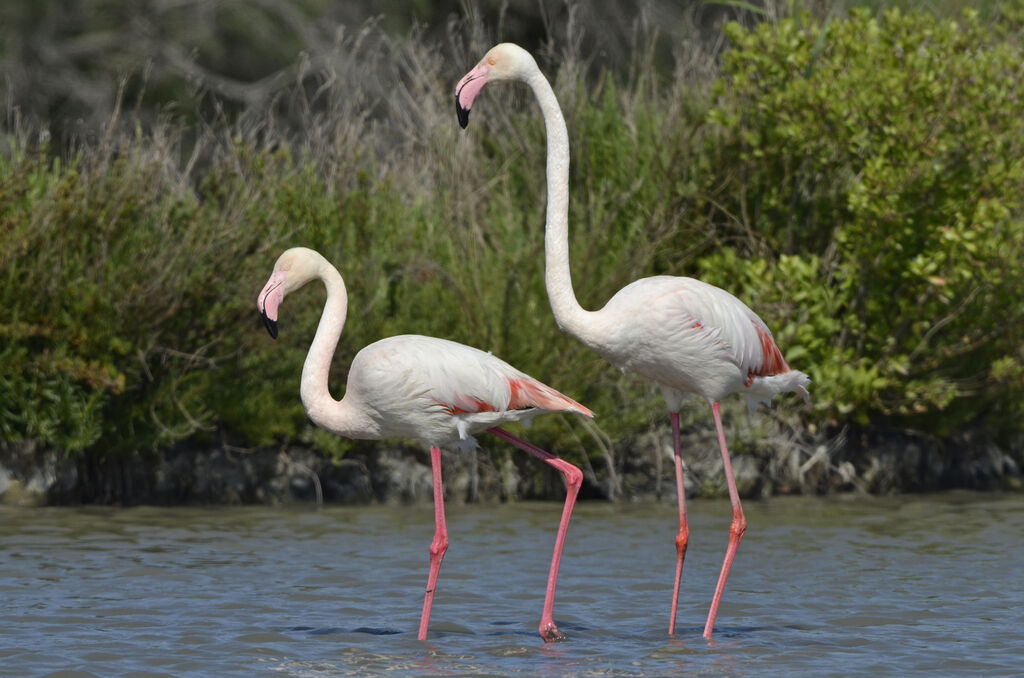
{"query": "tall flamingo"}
{"type": "Point", "coordinates": [686, 335]}
{"type": "Point", "coordinates": [410, 386]}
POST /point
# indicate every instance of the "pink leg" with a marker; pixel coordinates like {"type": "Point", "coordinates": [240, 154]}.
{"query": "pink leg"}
{"type": "Point", "coordinates": [683, 538]}
{"type": "Point", "coordinates": [736, 529]}
{"type": "Point", "coordinates": [440, 543]}
{"type": "Point", "coordinates": [573, 479]}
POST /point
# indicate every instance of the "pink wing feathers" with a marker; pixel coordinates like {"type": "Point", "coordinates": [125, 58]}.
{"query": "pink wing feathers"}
{"type": "Point", "coordinates": [462, 379]}
{"type": "Point", "coordinates": [772, 362]}
{"type": "Point", "coordinates": [707, 331]}
{"type": "Point", "coordinates": [527, 392]}
{"type": "Point", "coordinates": [751, 346]}
{"type": "Point", "coordinates": [524, 393]}
{"type": "Point", "coordinates": [746, 337]}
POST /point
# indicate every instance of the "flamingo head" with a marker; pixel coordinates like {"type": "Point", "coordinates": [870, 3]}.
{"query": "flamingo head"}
{"type": "Point", "coordinates": [293, 269]}
{"type": "Point", "coordinates": [506, 61]}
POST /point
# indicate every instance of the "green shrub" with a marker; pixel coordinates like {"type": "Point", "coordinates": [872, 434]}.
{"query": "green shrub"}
{"type": "Point", "coordinates": [872, 169]}
{"type": "Point", "coordinates": [113, 274]}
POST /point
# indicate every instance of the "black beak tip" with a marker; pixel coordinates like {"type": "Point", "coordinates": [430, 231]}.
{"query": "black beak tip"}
{"type": "Point", "coordinates": [463, 113]}
{"type": "Point", "coordinates": [271, 325]}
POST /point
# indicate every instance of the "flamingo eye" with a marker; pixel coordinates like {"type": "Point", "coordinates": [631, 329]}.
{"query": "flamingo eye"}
{"type": "Point", "coordinates": [491, 61]}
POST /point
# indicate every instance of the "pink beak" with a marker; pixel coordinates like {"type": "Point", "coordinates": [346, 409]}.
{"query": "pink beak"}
{"type": "Point", "coordinates": [269, 301]}
{"type": "Point", "coordinates": [467, 89]}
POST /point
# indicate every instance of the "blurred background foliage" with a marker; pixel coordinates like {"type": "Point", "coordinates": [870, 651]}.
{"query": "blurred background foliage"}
{"type": "Point", "coordinates": [854, 175]}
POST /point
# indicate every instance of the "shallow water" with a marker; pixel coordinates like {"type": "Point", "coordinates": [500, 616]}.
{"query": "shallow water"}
{"type": "Point", "coordinates": [847, 586]}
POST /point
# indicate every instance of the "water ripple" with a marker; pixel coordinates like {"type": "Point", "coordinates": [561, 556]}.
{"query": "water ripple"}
{"type": "Point", "coordinates": [921, 585]}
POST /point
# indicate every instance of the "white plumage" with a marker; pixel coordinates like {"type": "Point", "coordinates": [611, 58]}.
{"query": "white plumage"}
{"type": "Point", "coordinates": [442, 392]}
{"type": "Point", "coordinates": [690, 337]}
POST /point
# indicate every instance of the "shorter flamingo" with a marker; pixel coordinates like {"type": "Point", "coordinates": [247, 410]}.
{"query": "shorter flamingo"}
{"type": "Point", "coordinates": [436, 391]}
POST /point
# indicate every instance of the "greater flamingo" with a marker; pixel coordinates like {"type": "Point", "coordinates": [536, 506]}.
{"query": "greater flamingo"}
{"type": "Point", "coordinates": [686, 335]}
{"type": "Point", "coordinates": [436, 391]}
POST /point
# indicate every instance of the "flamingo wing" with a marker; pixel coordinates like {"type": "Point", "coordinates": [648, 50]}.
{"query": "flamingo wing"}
{"type": "Point", "coordinates": [688, 336]}
{"type": "Point", "coordinates": [431, 373]}
{"type": "Point", "coordinates": [467, 380]}
{"type": "Point", "coordinates": [745, 337]}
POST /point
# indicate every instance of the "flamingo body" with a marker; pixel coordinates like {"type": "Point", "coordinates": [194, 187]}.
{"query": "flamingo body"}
{"type": "Point", "coordinates": [685, 335]}
{"type": "Point", "coordinates": [411, 386]}
{"type": "Point", "coordinates": [690, 337]}
{"type": "Point", "coordinates": [439, 392]}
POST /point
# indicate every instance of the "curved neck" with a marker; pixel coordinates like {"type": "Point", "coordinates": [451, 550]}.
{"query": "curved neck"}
{"type": "Point", "coordinates": [323, 409]}
{"type": "Point", "coordinates": [568, 313]}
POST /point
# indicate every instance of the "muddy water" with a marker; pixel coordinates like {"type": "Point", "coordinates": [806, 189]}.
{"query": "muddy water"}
{"type": "Point", "coordinates": [928, 585]}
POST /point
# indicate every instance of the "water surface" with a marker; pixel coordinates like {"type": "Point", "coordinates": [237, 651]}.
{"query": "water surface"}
{"type": "Point", "coordinates": [842, 586]}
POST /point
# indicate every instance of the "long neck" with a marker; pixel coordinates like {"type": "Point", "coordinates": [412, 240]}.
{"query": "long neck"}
{"type": "Point", "coordinates": [343, 417]}
{"type": "Point", "coordinates": [568, 313]}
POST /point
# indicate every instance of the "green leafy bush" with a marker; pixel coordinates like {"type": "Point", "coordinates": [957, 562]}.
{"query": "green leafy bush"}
{"type": "Point", "coordinates": [113, 275]}
{"type": "Point", "coordinates": [872, 169]}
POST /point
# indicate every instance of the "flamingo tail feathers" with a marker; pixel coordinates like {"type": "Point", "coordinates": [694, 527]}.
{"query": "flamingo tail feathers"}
{"type": "Point", "coordinates": [761, 389]}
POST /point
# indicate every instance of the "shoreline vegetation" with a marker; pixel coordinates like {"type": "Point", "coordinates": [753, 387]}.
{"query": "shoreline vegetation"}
{"type": "Point", "coordinates": [855, 176]}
